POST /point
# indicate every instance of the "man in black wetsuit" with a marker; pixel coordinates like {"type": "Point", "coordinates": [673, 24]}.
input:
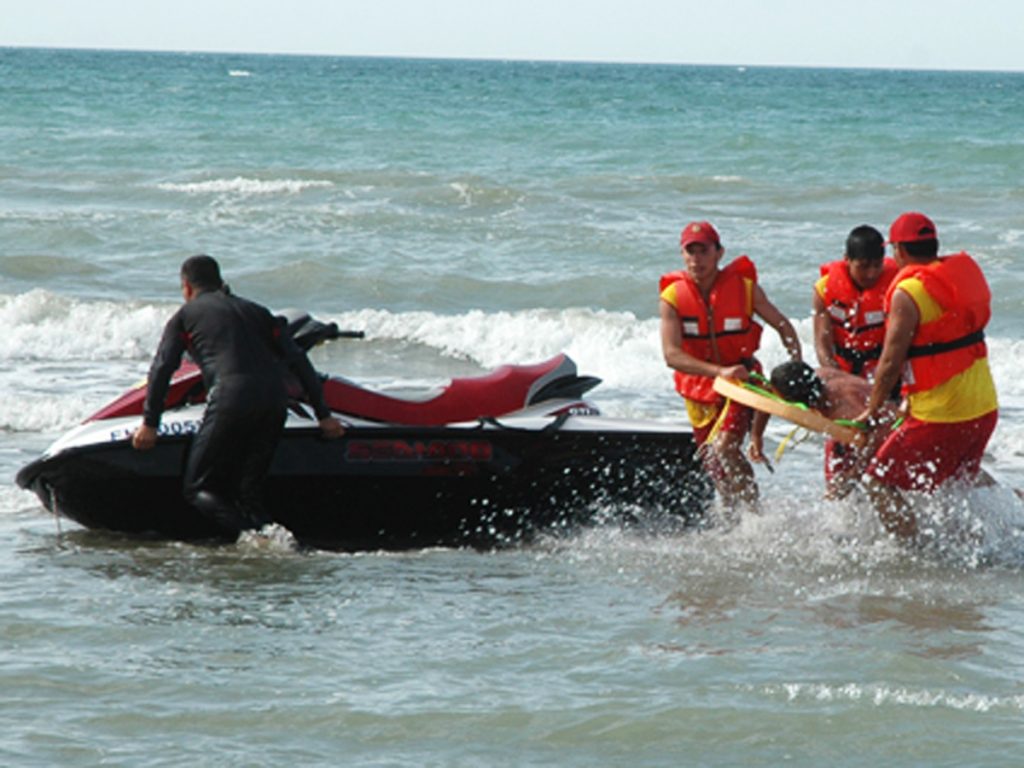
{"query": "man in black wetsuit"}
{"type": "Point", "coordinates": [244, 353]}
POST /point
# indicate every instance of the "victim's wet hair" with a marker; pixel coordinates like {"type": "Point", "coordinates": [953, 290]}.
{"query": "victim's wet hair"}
{"type": "Point", "coordinates": [797, 382]}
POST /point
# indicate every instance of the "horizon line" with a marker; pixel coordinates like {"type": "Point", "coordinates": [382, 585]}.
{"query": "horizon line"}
{"type": "Point", "coordinates": [501, 59]}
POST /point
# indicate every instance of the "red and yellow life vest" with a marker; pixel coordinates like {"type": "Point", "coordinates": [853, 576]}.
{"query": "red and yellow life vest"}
{"type": "Point", "coordinates": [858, 316]}
{"type": "Point", "coordinates": [951, 343]}
{"type": "Point", "coordinates": [723, 330]}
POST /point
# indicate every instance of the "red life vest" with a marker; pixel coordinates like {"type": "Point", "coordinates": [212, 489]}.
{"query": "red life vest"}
{"type": "Point", "coordinates": [858, 316]}
{"type": "Point", "coordinates": [951, 343]}
{"type": "Point", "coordinates": [722, 331]}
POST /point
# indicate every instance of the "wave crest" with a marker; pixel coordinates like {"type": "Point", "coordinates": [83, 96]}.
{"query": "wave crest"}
{"type": "Point", "coordinates": [245, 187]}
{"type": "Point", "coordinates": [40, 325]}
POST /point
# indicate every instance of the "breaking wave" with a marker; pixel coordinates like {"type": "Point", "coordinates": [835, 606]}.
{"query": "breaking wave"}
{"type": "Point", "coordinates": [245, 187]}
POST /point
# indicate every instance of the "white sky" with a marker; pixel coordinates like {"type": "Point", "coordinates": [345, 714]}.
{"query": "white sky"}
{"type": "Point", "coordinates": [928, 34]}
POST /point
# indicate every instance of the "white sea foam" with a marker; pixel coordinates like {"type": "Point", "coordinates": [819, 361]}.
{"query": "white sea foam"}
{"type": "Point", "coordinates": [38, 412]}
{"type": "Point", "coordinates": [64, 357]}
{"type": "Point", "coordinates": [40, 325]}
{"type": "Point", "coordinates": [882, 695]}
{"type": "Point", "coordinates": [616, 346]}
{"type": "Point", "coordinates": [245, 187]}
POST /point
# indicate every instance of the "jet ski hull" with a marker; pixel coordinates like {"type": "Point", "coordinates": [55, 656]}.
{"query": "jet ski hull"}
{"type": "Point", "coordinates": [395, 487]}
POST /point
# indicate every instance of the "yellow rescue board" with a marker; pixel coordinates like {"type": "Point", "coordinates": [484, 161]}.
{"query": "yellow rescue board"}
{"type": "Point", "coordinates": [808, 418]}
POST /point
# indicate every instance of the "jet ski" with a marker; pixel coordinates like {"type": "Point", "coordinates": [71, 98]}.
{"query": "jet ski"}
{"type": "Point", "coordinates": [482, 461]}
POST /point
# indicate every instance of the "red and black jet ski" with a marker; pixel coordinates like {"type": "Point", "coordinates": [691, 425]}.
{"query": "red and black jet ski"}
{"type": "Point", "coordinates": [483, 461]}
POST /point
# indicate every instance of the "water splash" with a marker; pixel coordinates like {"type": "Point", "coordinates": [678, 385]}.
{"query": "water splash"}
{"type": "Point", "coordinates": [271, 538]}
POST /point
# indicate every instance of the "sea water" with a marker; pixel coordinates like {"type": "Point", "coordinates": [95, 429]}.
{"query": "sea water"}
{"type": "Point", "coordinates": [467, 214]}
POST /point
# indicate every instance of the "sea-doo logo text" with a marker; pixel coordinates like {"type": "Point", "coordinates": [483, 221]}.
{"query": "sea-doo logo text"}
{"type": "Point", "coordinates": [419, 450]}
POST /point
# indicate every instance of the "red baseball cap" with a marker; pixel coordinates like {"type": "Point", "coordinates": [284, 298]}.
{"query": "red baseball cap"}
{"type": "Point", "coordinates": [699, 232]}
{"type": "Point", "coordinates": [911, 227]}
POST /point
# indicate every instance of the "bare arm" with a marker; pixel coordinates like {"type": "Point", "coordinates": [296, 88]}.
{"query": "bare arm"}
{"type": "Point", "coordinates": [759, 422]}
{"type": "Point", "coordinates": [901, 325]}
{"type": "Point", "coordinates": [771, 315]}
{"type": "Point", "coordinates": [824, 342]}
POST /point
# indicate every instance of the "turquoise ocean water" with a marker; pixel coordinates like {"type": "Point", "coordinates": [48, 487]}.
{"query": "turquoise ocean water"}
{"type": "Point", "coordinates": [467, 214]}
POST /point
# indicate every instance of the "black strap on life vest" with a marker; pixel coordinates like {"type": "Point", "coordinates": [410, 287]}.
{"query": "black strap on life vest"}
{"type": "Point", "coordinates": [938, 347]}
{"type": "Point", "coordinates": [858, 357]}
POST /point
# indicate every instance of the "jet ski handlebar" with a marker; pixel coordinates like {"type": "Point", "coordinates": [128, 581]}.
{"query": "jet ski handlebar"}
{"type": "Point", "coordinates": [307, 331]}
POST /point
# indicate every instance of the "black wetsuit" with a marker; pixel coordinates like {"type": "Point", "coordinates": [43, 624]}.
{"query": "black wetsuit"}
{"type": "Point", "coordinates": [244, 353]}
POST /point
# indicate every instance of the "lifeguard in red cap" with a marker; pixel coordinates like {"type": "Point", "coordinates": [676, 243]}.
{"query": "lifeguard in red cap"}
{"type": "Point", "coordinates": [707, 330]}
{"type": "Point", "coordinates": [937, 309]}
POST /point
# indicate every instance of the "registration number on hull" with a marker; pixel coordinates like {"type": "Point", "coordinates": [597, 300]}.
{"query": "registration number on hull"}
{"type": "Point", "coordinates": [171, 429]}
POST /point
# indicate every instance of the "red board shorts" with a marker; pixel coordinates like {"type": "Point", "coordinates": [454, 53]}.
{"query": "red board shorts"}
{"type": "Point", "coordinates": [921, 455]}
{"type": "Point", "coordinates": [839, 457]}
{"type": "Point", "coordinates": [736, 421]}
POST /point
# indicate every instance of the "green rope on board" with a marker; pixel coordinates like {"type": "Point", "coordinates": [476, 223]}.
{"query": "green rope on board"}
{"type": "Point", "coordinates": [861, 425]}
{"type": "Point", "coordinates": [770, 394]}
{"type": "Point", "coordinates": [758, 376]}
